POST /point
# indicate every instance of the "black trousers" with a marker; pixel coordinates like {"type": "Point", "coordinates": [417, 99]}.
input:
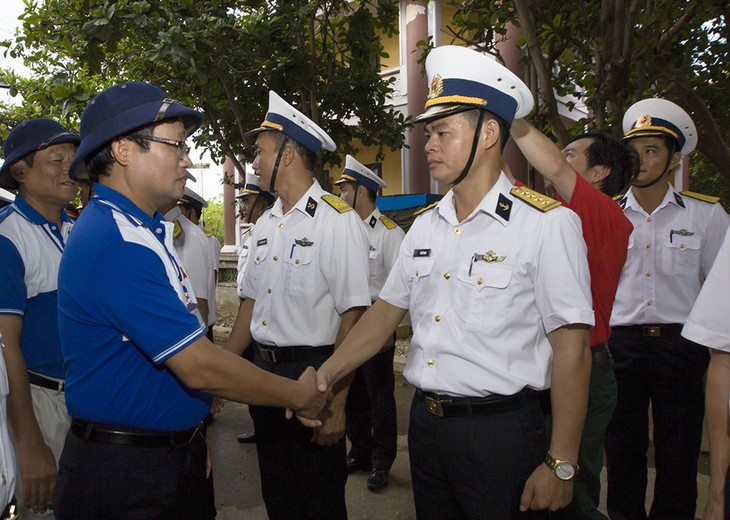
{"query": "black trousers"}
{"type": "Point", "coordinates": [474, 468]}
{"type": "Point", "coordinates": [372, 425]}
{"type": "Point", "coordinates": [666, 371]}
{"type": "Point", "coordinates": [300, 480]}
{"type": "Point", "coordinates": [108, 482]}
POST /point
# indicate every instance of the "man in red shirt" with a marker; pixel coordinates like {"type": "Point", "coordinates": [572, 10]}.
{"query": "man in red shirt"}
{"type": "Point", "coordinates": [593, 168]}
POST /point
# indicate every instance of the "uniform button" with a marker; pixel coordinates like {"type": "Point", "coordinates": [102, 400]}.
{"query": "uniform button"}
{"type": "Point", "coordinates": [650, 302]}
{"type": "Point", "coordinates": [281, 225]}
{"type": "Point", "coordinates": [457, 230]}
{"type": "Point", "coordinates": [648, 274]}
{"type": "Point", "coordinates": [268, 291]}
{"type": "Point", "coordinates": [648, 245]}
{"type": "Point", "coordinates": [437, 318]}
{"type": "Point", "coordinates": [158, 231]}
{"type": "Point", "coordinates": [264, 323]}
{"type": "Point", "coordinates": [276, 258]}
{"type": "Point", "coordinates": [431, 362]}
{"type": "Point", "coordinates": [681, 246]}
{"type": "Point", "coordinates": [258, 258]}
{"type": "Point", "coordinates": [416, 273]}
{"type": "Point", "coordinates": [296, 261]}
{"type": "Point", "coordinates": [447, 275]}
{"type": "Point", "coordinates": [648, 219]}
{"type": "Point", "coordinates": [54, 228]}
{"type": "Point", "coordinates": [480, 280]}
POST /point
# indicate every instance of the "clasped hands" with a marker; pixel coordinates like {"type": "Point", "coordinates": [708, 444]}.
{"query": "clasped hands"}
{"type": "Point", "coordinates": [316, 394]}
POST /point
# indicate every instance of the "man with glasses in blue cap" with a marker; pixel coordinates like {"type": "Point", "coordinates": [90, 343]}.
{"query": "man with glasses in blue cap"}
{"type": "Point", "coordinates": [675, 241]}
{"type": "Point", "coordinates": [33, 234]}
{"type": "Point", "coordinates": [140, 371]}
{"type": "Point", "coordinates": [306, 285]}
{"type": "Point", "coordinates": [496, 281]}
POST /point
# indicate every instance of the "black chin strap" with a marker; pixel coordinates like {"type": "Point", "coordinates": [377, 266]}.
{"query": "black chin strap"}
{"type": "Point", "coordinates": [474, 143]}
{"type": "Point", "coordinates": [354, 198]}
{"type": "Point", "coordinates": [658, 178]}
{"type": "Point", "coordinates": [253, 206]}
{"type": "Point", "coordinates": [272, 188]}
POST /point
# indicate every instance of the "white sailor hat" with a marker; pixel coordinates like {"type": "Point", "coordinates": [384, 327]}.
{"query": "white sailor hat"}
{"type": "Point", "coordinates": [253, 187]}
{"type": "Point", "coordinates": [285, 118]}
{"type": "Point", "coordinates": [655, 117]}
{"type": "Point", "coordinates": [192, 198]}
{"type": "Point", "coordinates": [359, 174]}
{"type": "Point", "coordinates": [462, 79]}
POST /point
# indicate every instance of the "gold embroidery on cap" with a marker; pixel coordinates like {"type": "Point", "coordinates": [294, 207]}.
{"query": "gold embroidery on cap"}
{"type": "Point", "coordinates": [644, 120]}
{"type": "Point", "coordinates": [437, 87]}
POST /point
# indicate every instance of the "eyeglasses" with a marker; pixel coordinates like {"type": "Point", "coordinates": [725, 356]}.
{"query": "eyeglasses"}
{"type": "Point", "coordinates": [182, 148]}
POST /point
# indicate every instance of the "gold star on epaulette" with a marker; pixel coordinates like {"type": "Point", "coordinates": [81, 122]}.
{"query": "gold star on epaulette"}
{"type": "Point", "coordinates": [535, 199]}
{"type": "Point", "coordinates": [340, 205]}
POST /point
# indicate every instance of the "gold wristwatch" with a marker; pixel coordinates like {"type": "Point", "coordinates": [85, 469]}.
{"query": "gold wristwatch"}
{"type": "Point", "coordinates": [563, 469]}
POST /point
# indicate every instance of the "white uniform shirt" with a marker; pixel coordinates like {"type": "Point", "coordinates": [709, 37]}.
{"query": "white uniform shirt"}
{"type": "Point", "coordinates": [194, 252]}
{"type": "Point", "coordinates": [7, 455]}
{"type": "Point", "coordinates": [480, 326]}
{"type": "Point", "coordinates": [384, 245]}
{"type": "Point", "coordinates": [243, 256]}
{"type": "Point", "coordinates": [306, 268]}
{"type": "Point", "coordinates": [214, 249]}
{"type": "Point", "coordinates": [709, 322]}
{"type": "Point", "coordinates": [670, 253]}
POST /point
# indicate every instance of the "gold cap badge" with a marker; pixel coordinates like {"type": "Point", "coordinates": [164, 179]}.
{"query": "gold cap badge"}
{"type": "Point", "coordinates": [436, 88]}
{"type": "Point", "coordinates": [644, 120]}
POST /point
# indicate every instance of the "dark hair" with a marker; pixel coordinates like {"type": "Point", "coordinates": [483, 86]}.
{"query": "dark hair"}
{"type": "Point", "coordinates": [309, 158]}
{"type": "Point", "coordinates": [196, 210]}
{"type": "Point", "coordinates": [472, 116]}
{"type": "Point", "coordinates": [617, 156]}
{"type": "Point", "coordinates": [98, 163]}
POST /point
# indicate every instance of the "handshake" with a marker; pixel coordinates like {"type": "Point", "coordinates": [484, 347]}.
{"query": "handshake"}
{"type": "Point", "coordinates": [314, 394]}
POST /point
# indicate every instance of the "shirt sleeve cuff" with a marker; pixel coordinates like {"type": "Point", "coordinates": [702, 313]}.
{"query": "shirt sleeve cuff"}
{"type": "Point", "coordinates": [569, 317]}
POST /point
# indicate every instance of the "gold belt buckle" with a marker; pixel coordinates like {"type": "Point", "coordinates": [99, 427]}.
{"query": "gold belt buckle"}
{"type": "Point", "coordinates": [434, 406]}
{"type": "Point", "coordinates": [267, 355]}
{"type": "Point", "coordinates": [654, 332]}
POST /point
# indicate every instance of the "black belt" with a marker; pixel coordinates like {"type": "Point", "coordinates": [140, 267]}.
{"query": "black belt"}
{"type": "Point", "coordinates": [283, 354]}
{"type": "Point", "coordinates": [600, 354]}
{"type": "Point", "coordinates": [45, 382]}
{"type": "Point", "coordinates": [655, 331]}
{"type": "Point", "coordinates": [447, 406]}
{"type": "Point", "coordinates": [120, 436]}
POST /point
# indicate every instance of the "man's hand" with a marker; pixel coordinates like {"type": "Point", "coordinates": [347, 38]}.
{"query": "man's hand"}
{"type": "Point", "coordinates": [333, 425]}
{"type": "Point", "coordinates": [313, 400]}
{"type": "Point", "coordinates": [38, 472]}
{"type": "Point", "coordinates": [543, 490]}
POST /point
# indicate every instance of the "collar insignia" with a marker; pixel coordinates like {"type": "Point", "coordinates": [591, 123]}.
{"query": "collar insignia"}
{"type": "Point", "coordinates": [311, 207]}
{"type": "Point", "coordinates": [504, 206]}
{"type": "Point", "coordinates": [373, 221]}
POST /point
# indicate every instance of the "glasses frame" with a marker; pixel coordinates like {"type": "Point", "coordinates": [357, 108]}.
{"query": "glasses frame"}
{"type": "Point", "coordinates": [182, 147]}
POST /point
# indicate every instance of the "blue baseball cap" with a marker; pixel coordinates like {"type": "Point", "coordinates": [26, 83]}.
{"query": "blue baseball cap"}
{"type": "Point", "coordinates": [121, 109]}
{"type": "Point", "coordinates": [28, 137]}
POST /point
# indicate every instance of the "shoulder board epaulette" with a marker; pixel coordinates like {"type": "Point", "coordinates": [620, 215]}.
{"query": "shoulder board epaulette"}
{"type": "Point", "coordinates": [208, 233]}
{"type": "Point", "coordinates": [425, 209]}
{"type": "Point", "coordinates": [618, 197]}
{"type": "Point", "coordinates": [535, 199]}
{"type": "Point", "coordinates": [700, 196]}
{"type": "Point", "coordinates": [177, 229]}
{"type": "Point", "coordinates": [387, 222]}
{"type": "Point", "coordinates": [340, 205]}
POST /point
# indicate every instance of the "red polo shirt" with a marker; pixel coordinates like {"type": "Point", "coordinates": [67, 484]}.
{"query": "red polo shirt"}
{"type": "Point", "coordinates": [606, 232]}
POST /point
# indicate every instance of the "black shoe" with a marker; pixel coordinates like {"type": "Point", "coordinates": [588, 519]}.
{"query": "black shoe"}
{"type": "Point", "coordinates": [355, 464]}
{"type": "Point", "coordinates": [378, 480]}
{"type": "Point", "coordinates": [247, 438]}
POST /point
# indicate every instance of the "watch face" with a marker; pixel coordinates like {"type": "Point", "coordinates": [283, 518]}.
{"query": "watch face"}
{"type": "Point", "coordinates": [564, 471]}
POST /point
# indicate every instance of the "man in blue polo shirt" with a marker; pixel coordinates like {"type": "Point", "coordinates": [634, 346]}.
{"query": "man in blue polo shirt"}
{"type": "Point", "coordinates": [33, 232]}
{"type": "Point", "coordinates": [139, 369]}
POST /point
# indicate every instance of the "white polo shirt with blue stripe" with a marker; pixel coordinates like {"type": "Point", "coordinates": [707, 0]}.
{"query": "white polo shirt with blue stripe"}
{"type": "Point", "coordinates": [30, 252]}
{"type": "Point", "coordinates": [125, 307]}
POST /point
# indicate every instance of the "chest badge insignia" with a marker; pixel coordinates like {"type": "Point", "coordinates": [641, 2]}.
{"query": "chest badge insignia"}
{"type": "Point", "coordinates": [303, 242]}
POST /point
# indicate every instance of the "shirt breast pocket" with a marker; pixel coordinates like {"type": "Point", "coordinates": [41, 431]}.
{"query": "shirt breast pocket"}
{"type": "Point", "coordinates": [681, 255]}
{"type": "Point", "coordinates": [482, 297]}
{"type": "Point", "coordinates": [299, 272]}
{"type": "Point", "coordinates": [421, 279]}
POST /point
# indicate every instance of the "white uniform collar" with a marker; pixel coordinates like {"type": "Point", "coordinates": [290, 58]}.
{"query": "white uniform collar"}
{"type": "Point", "coordinates": [487, 205]}
{"type": "Point", "coordinates": [314, 192]}
{"type": "Point", "coordinates": [670, 197]}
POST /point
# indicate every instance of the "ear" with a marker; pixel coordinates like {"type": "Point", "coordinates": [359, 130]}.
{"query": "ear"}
{"type": "Point", "coordinates": [17, 171]}
{"type": "Point", "coordinates": [288, 155]}
{"type": "Point", "coordinates": [676, 157]}
{"type": "Point", "coordinates": [490, 133]}
{"type": "Point", "coordinates": [120, 150]}
{"type": "Point", "coordinates": [598, 173]}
